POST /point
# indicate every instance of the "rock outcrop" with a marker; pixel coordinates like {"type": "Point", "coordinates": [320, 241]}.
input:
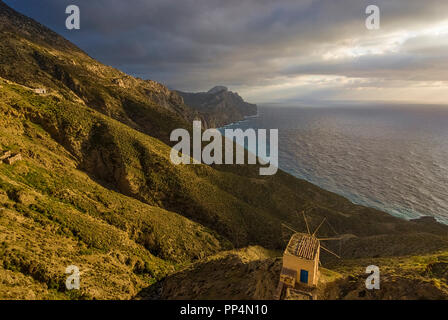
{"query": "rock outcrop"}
{"type": "Point", "coordinates": [219, 106]}
{"type": "Point", "coordinates": [98, 188]}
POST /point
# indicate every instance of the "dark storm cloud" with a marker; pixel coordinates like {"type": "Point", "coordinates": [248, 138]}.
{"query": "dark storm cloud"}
{"type": "Point", "coordinates": [195, 44]}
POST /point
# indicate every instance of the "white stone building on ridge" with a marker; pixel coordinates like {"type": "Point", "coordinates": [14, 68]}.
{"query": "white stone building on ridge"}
{"type": "Point", "coordinates": [40, 91]}
{"type": "Point", "coordinates": [301, 261]}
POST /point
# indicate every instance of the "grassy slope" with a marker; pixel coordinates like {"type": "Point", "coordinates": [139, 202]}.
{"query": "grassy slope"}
{"type": "Point", "coordinates": [249, 273]}
{"type": "Point", "coordinates": [54, 215]}
{"type": "Point", "coordinates": [135, 240]}
{"type": "Point", "coordinates": [35, 56]}
{"type": "Point", "coordinates": [253, 273]}
{"type": "Point", "coordinates": [97, 188]}
{"type": "Point", "coordinates": [401, 277]}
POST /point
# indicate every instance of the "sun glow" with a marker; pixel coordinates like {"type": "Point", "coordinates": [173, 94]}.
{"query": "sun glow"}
{"type": "Point", "coordinates": [385, 44]}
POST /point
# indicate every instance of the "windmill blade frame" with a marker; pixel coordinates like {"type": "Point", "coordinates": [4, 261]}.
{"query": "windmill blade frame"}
{"type": "Point", "coordinates": [317, 229]}
{"type": "Point", "coordinates": [306, 222]}
{"type": "Point", "coordinates": [288, 227]}
{"type": "Point", "coordinates": [329, 251]}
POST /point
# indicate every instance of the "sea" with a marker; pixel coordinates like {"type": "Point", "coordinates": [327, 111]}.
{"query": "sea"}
{"type": "Point", "coordinates": [387, 156]}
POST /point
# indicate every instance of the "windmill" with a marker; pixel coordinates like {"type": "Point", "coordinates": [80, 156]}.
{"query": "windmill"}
{"type": "Point", "coordinates": [314, 234]}
{"type": "Point", "coordinates": [301, 258]}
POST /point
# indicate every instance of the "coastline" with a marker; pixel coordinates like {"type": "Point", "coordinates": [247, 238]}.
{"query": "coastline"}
{"type": "Point", "coordinates": [369, 200]}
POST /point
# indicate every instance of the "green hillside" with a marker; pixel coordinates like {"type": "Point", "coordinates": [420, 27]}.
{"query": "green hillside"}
{"type": "Point", "coordinates": [96, 187]}
{"type": "Point", "coordinates": [253, 273]}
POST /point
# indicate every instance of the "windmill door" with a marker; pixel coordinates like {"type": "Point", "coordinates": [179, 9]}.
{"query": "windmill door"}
{"type": "Point", "coordinates": [303, 276]}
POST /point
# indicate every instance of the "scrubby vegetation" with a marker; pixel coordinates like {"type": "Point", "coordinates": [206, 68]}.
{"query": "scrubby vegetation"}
{"type": "Point", "coordinates": [252, 273]}
{"type": "Point", "coordinates": [96, 187]}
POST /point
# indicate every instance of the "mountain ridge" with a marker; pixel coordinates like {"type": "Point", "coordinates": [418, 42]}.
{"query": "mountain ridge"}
{"type": "Point", "coordinates": [96, 187]}
{"type": "Point", "coordinates": [219, 106]}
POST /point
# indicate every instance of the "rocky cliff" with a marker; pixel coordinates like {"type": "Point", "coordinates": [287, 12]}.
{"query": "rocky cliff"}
{"type": "Point", "coordinates": [96, 188]}
{"type": "Point", "coordinates": [219, 106]}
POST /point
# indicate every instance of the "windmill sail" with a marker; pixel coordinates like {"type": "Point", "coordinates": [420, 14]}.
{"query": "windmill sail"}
{"type": "Point", "coordinates": [329, 251]}
{"type": "Point", "coordinates": [317, 229]}
{"type": "Point", "coordinates": [306, 222]}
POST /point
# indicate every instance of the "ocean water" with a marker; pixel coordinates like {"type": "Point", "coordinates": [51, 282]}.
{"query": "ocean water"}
{"type": "Point", "coordinates": [394, 158]}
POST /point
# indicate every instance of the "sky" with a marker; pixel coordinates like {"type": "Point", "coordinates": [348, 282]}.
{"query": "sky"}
{"type": "Point", "coordinates": [267, 50]}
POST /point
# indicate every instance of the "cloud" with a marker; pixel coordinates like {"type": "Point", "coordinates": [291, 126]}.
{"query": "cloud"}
{"type": "Point", "coordinates": [257, 46]}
